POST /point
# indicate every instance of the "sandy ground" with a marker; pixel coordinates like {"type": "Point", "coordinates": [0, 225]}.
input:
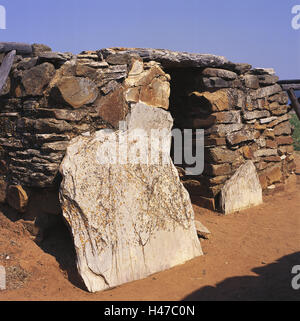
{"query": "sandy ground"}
{"type": "Point", "coordinates": [249, 256]}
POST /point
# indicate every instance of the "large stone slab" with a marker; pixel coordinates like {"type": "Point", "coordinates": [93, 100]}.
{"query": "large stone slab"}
{"type": "Point", "coordinates": [128, 220]}
{"type": "Point", "coordinates": [168, 58]}
{"type": "Point", "coordinates": [242, 190]}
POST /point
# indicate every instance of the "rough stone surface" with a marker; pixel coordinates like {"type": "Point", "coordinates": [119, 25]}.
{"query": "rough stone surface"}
{"type": "Point", "coordinates": [36, 78]}
{"type": "Point", "coordinates": [78, 91]}
{"type": "Point", "coordinates": [215, 72]}
{"type": "Point", "coordinates": [112, 108]}
{"type": "Point", "coordinates": [202, 230]}
{"type": "Point", "coordinates": [242, 190]}
{"type": "Point", "coordinates": [122, 216]}
{"type": "Point", "coordinates": [170, 59]}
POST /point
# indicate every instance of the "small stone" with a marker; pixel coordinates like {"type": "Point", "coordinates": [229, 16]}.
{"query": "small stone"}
{"type": "Point", "coordinates": [283, 129]}
{"type": "Point", "coordinates": [220, 155]}
{"type": "Point", "coordinates": [265, 152]}
{"type": "Point", "coordinates": [216, 82]}
{"type": "Point", "coordinates": [251, 81]}
{"type": "Point", "coordinates": [267, 120]}
{"type": "Point", "coordinates": [267, 79]}
{"type": "Point", "coordinates": [249, 115]}
{"type": "Point", "coordinates": [38, 49]}
{"type": "Point", "coordinates": [202, 231]}
{"type": "Point", "coordinates": [216, 170]}
{"type": "Point", "coordinates": [230, 117]}
{"type": "Point", "coordinates": [284, 140]}
{"type": "Point", "coordinates": [240, 136]}
{"type": "Point", "coordinates": [273, 174]}
{"type": "Point", "coordinates": [242, 190]}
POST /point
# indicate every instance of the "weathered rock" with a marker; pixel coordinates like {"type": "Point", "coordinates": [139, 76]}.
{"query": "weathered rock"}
{"type": "Point", "coordinates": [17, 197]}
{"type": "Point", "coordinates": [202, 230]}
{"type": "Point", "coordinates": [215, 170]}
{"type": "Point", "coordinates": [251, 81]}
{"type": "Point", "coordinates": [281, 110]}
{"type": "Point", "coordinates": [273, 174]}
{"type": "Point", "coordinates": [219, 100]}
{"type": "Point", "coordinates": [121, 216]}
{"type": "Point", "coordinates": [27, 63]}
{"type": "Point", "coordinates": [222, 73]}
{"type": "Point", "coordinates": [170, 59]}
{"type": "Point", "coordinates": [266, 91]}
{"type": "Point", "coordinates": [283, 129]}
{"type": "Point", "coordinates": [38, 49]}
{"type": "Point", "coordinates": [284, 140]}
{"type": "Point", "coordinates": [156, 94]}
{"type": "Point", "coordinates": [113, 107]}
{"type": "Point", "coordinates": [282, 98]}
{"type": "Point", "coordinates": [43, 126]}
{"type": "Point", "coordinates": [62, 114]}
{"type": "Point", "coordinates": [224, 129]}
{"type": "Point", "coordinates": [35, 79]}
{"type": "Point", "coordinates": [267, 120]}
{"type": "Point", "coordinates": [230, 117]}
{"type": "Point", "coordinates": [242, 190]}
{"type": "Point", "coordinates": [249, 115]}
{"type": "Point", "coordinates": [263, 71]}
{"type": "Point", "coordinates": [110, 86]}
{"type": "Point", "coordinates": [240, 136]}
{"type": "Point", "coordinates": [53, 57]}
{"type": "Point", "coordinates": [265, 152]}
{"type": "Point", "coordinates": [267, 79]}
{"type": "Point", "coordinates": [78, 91]}
{"type": "Point", "coordinates": [216, 82]}
{"type": "Point", "coordinates": [221, 155]}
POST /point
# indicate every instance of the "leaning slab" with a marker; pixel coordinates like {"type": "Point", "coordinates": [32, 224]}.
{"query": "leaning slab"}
{"type": "Point", "coordinates": [242, 190]}
{"type": "Point", "coordinates": [128, 220]}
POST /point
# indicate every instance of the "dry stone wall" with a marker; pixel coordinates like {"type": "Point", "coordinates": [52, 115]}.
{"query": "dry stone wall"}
{"type": "Point", "coordinates": [244, 113]}
{"type": "Point", "coordinates": [52, 97]}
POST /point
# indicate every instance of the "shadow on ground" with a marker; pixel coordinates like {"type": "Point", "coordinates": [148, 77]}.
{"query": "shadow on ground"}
{"type": "Point", "coordinates": [56, 240]}
{"type": "Point", "coordinates": [273, 282]}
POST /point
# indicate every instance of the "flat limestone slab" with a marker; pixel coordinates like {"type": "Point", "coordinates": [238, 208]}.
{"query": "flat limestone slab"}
{"type": "Point", "coordinates": [128, 220]}
{"type": "Point", "coordinates": [242, 190]}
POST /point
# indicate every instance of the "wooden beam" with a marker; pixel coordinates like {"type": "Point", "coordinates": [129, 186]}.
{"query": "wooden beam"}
{"type": "Point", "coordinates": [5, 68]}
{"type": "Point", "coordinates": [294, 86]}
{"type": "Point", "coordinates": [21, 48]}
{"type": "Point", "coordinates": [294, 102]}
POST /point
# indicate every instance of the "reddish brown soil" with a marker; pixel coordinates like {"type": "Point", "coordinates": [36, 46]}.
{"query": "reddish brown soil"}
{"type": "Point", "coordinates": [248, 257]}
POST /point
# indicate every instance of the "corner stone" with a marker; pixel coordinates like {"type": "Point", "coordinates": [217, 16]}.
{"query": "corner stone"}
{"type": "Point", "coordinates": [242, 190]}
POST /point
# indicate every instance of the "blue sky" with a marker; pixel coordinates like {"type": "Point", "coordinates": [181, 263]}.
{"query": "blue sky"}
{"type": "Point", "coordinates": [257, 31]}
